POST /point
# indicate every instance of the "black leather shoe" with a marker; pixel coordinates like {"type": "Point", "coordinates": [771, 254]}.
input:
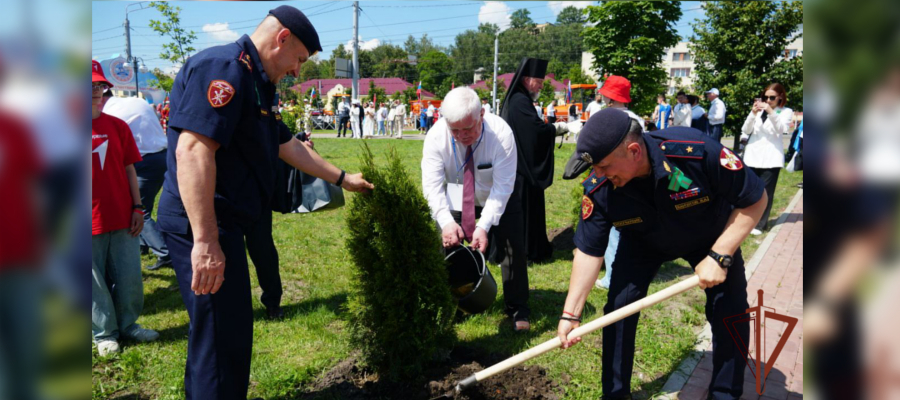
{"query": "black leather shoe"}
{"type": "Point", "coordinates": [274, 313]}
{"type": "Point", "coordinates": [159, 264]}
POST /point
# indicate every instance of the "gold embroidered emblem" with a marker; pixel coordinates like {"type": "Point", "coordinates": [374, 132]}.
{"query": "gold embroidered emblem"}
{"type": "Point", "coordinates": [682, 206]}
{"type": "Point", "coordinates": [632, 221]}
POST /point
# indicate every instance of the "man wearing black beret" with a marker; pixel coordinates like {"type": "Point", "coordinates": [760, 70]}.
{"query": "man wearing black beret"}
{"type": "Point", "coordinates": [220, 181]}
{"type": "Point", "coordinates": [673, 193]}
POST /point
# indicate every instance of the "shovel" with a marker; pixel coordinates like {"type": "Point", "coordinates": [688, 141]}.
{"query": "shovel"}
{"type": "Point", "coordinates": [582, 330]}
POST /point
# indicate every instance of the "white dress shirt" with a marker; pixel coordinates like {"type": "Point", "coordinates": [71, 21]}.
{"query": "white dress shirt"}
{"type": "Point", "coordinates": [140, 117]}
{"type": "Point", "coordinates": [487, 108]}
{"type": "Point", "coordinates": [682, 115]}
{"type": "Point", "coordinates": [493, 186]}
{"type": "Point", "coordinates": [765, 147]}
{"type": "Point", "coordinates": [716, 112]}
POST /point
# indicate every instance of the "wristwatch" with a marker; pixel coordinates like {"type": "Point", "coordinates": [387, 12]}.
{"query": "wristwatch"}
{"type": "Point", "coordinates": [724, 260]}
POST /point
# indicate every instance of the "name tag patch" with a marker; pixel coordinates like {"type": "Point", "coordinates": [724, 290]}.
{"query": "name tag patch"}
{"type": "Point", "coordinates": [685, 194]}
{"type": "Point", "coordinates": [682, 206]}
{"type": "Point", "coordinates": [632, 221]}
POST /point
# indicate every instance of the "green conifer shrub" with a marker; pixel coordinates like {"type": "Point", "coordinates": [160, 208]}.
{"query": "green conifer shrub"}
{"type": "Point", "coordinates": [400, 306]}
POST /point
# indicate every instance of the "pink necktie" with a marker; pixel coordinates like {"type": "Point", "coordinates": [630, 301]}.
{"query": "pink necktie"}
{"type": "Point", "coordinates": [468, 211]}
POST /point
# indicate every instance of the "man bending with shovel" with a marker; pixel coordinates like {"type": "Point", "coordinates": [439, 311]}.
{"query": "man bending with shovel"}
{"type": "Point", "coordinates": [672, 194]}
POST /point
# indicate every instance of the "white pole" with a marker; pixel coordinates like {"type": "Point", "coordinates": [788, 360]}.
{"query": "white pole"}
{"type": "Point", "coordinates": [494, 94]}
{"type": "Point", "coordinates": [355, 85]}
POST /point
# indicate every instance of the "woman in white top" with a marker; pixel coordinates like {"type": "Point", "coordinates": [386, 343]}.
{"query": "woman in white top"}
{"type": "Point", "coordinates": [369, 121]}
{"type": "Point", "coordinates": [762, 135]}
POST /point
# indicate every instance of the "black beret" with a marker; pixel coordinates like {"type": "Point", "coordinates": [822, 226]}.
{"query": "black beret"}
{"type": "Point", "coordinates": [299, 25]}
{"type": "Point", "coordinates": [602, 133]}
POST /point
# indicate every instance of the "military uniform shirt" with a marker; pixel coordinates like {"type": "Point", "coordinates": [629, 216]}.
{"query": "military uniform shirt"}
{"type": "Point", "coordinates": [681, 207]}
{"type": "Point", "coordinates": [224, 94]}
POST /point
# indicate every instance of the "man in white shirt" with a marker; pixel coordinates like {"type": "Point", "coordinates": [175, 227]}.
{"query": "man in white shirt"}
{"type": "Point", "coordinates": [469, 165]}
{"type": "Point", "coordinates": [716, 113]}
{"type": "Point", "coordinates": [539, 110]}
{"type": "Point", "coordinates": [399, 116]}
{"type": "Point", "coordinates": [595, 106]}
{"type": "Point", "coordinates": [429, 114]}
{"type": "Point", "coordinates": [380, 115]}
{"type": "Point", "coordinates": [682, 113]}
{"type": "Point", "coordinates": [486, 106]}
{"type": "Point", "coordinates": [151, 171]}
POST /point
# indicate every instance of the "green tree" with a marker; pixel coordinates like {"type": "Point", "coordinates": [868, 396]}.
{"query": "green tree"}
{"type": "Point", "coordinates": [163, 81]}
{"type": "Point", "coordinates": [376, 92]}
{"type": "Point", "coordinates": [627, 39]}
{"type": "Point", "coordinates": [473, 49]}
{"type": "Point", "coordinates": [180, 48]}
{"type": "Point", "coordinates": [547, 94]}
{"type": "Point", "coordinates": [520, 19]}
{"type": "Point", "coordinates": [737, 47]}
{"type": "Point", "coordinates": [571, 15]}
{"type": "Point", "coordinates": [576, 75]}
{"type": "Point", "coordinates": [391, 62]}
{"type": "Point", "coordinates": [434, 68]}
{"type": "Point", "coordinates": [400, 306]}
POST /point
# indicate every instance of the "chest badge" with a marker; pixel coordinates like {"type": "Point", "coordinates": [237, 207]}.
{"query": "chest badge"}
{"type": "Point", "coordinates": [685, 194]}
{"type": "Point", "coordinates": [587, 207]}
{"type": "Point", "coordinates": [678, 181]}
{"type": "Point", "coordinates": [219, 93]}
{"type": "Point", "coordinates": [729, 160]}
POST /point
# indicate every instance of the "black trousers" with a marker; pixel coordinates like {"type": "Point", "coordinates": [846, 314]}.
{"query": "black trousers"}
{"type": "Point", "coordinates": [342, 125]}
{"type": "Point", "coordinates": [508, 239]}
{"type": "Point", "coordinates": [770, 177]}
{"type": "Point", "coordinates": [716, 132]}
{"type": "Point", "coordinates": [220, 338]}
{"type": "Point", "coordinates": [635, 268]}
{"type": "Point", "coordinates": [262, 251]}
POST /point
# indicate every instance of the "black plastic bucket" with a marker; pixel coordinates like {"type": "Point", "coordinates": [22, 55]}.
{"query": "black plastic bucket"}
{"type": "Point", "coordinates": [471, 281]}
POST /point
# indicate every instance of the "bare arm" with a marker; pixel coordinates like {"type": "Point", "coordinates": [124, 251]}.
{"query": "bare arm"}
{"type": "Point", "coordinates": [196, 160]}
{"type": "Point", "coordinates": [585, 269]}
{"type": "Point", "coordinates": [137, 220]}
{"type": "Point", "coordinates": [740, 223]}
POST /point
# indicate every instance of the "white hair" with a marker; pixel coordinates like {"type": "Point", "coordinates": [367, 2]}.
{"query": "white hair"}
{"type": "Point", "coordinates": [461, 103]}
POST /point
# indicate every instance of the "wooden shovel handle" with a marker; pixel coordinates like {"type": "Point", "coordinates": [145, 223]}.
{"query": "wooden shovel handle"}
{"type": "Point", "coordinates": [582, 330]}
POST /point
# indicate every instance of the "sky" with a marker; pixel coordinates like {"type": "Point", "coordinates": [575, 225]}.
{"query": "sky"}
{"type": "Point", "coordinates": [379, 22]}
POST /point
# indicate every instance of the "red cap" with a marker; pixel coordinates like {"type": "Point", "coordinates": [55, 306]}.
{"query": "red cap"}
{"type": "Point", "coordinates": [97, 73]}
{"type": "Point", "coordinates": [617, 88]}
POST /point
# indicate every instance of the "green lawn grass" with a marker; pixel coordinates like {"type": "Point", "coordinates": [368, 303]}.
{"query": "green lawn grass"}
{"type": "Point", "coordinates": [315, 269]}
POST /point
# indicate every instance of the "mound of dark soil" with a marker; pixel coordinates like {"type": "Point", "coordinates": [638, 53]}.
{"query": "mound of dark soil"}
{"type": "Point", "coordinates": [348, 381]}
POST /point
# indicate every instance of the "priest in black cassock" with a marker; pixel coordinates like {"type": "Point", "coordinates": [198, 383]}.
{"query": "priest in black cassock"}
{"type": "Point", "coordinates": [534, 142]}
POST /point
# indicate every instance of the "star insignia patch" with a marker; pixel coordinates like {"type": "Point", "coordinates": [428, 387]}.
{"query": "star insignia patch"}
{"type": "Point", "coordinates": [219, 93]}
{"type": "Point", "coordinates": [689, 149]}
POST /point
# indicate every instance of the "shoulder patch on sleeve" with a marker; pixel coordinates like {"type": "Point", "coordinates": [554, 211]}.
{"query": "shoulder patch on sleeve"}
{"type": "Point", "coordinates": [592, 182]}
{"type": "Point", "coordinates": [729, 160]}
{"type": "Point", "coordinates": [682, 149]}
{"type": "Point", "coordinates": [587, 207]}
{"type": "Point", "coordinates": [219, 93]}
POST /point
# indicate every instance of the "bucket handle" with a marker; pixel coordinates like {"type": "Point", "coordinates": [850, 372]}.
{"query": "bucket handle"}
{"type": "Point", "coordinates": [472, 253]}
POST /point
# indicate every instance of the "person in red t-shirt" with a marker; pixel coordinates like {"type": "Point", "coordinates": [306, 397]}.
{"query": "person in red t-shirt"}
{"type": "Point", "coordinates": [117, 291]}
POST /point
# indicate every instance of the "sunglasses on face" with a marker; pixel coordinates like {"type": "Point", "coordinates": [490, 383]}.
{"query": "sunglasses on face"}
{"type": "Point", "coordinates": [769, 98]}
{"type": "Point", "coordinates": [100, 86]}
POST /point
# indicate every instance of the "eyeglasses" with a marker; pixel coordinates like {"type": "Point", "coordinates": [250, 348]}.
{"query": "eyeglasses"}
{"type": "Point", "coordinates": [770, 98]}
{"type": "Point", "coordinates": [100, 86]}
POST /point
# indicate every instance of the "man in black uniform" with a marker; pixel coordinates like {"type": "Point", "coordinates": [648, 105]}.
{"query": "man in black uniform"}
{"type": "Point", "coordinates": [534, 142]}
{"type": "Point", "coordinates": [225, 143]}
{"type": "Point", "coordinates": [673, 193]}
